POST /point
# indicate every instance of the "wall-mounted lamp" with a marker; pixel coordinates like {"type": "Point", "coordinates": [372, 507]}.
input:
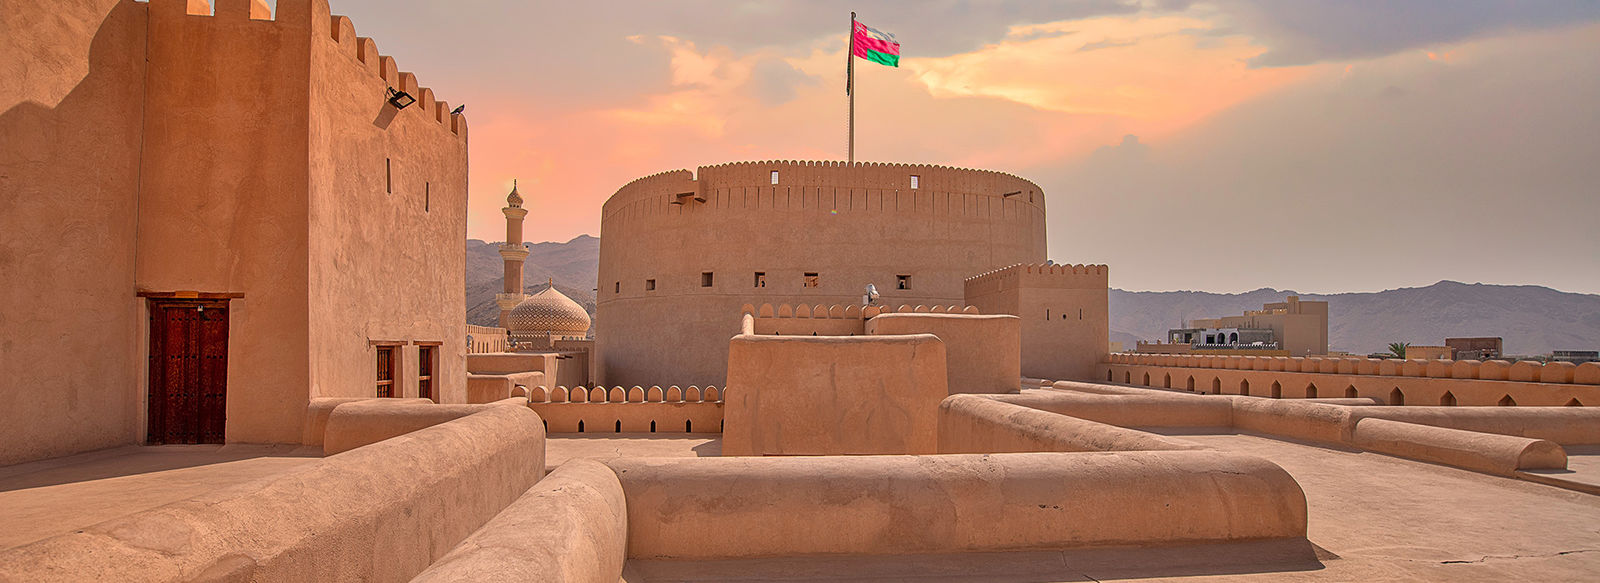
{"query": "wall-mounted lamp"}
{"type": "Point", "coordinates": [1011, 194]}
{"type": "Point", "coordinates": [400, 99]}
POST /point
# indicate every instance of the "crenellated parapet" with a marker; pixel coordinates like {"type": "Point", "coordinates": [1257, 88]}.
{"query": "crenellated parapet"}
{"type": "Point", "coordinates": [1045, 275]}
{"type": "Point", "coordinates": [848, 311]}
{"type": "Point", "coordinates": [620, 394]}
{"type": "Point", "coordinates": [364, 51]}
{"type": "Point", "coordinates": [881, 187]}
{"type": "Point", "coordinates": [313, 17]}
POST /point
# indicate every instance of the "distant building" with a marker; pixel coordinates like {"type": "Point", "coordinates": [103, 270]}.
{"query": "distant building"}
{"type": "Point", "coordinates": [1430, 353]}
{"type": "Point", "coordinates": [1294, 327]}
{"type": "Point", "coordinates": [1480, 348]}
{"type": "Point", "coordinates": [1575, 356]}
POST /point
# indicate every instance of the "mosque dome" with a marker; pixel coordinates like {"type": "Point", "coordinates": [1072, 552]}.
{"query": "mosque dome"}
{"type": "Point", "coordinates": [551, 312]}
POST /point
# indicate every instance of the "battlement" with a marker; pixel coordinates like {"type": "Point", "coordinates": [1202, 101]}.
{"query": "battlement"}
{"type": "Point", "coordinates": [878, 176]}
{"type": "Point", "coordinates": [620, 394]}
{"type": "Point", "coordinates": [847, 312]}
{"type": "Point", "coordinates": [314, 17]}
{"type": "Point", "coordinates": [1038, 275]}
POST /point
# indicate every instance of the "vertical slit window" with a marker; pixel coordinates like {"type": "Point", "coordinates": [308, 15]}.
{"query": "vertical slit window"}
{"type": "Point", "coordinates": [388, 176]}
{"type": "Point", "coordinates": [427, 195]}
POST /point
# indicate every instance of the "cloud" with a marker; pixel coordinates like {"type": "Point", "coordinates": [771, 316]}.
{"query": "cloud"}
{"type": "Point", "coordinates": [1314, 31]}
{"type": "Point", "coordinates": [773, 81]}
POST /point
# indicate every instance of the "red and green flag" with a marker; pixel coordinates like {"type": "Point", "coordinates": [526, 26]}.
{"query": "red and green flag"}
{"type": "Point", "coordinates": [875, 45]}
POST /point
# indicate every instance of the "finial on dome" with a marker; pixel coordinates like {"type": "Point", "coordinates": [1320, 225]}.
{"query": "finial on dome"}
{"type": "Point", "coordinates": [514, 199]}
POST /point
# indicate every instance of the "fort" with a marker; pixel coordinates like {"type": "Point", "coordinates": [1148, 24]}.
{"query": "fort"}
{"type": "Point", "coordinates": [236, 350]}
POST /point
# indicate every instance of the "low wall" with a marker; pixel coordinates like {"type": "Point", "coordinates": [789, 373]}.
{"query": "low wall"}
{"type": "Point", "coordinates": [982, 424]}
{"type": "Point", "coordinates": [1497, 440]}
{"type": "Point", "coordinates": [508, 362]}
{"type": "Point", "coordinates": [831, 395]}
{"type": "Point", "coordinates": [1562, 425]}
{"type": "Point", "coordinates": [630, 417]}
{"type": "Point", "coordinates": [319, 409]}
{"type": "Point", "coordinates": [1484, 452]}
{"type": "Point", "coordinates": [865, 505]}
{"type": "Point", "coordinates": [983, 354]}
{"type": "Point", "coordinates": [1394, 382]}
{"type": "Point", "coordinates": [352, 425]}
{"type": "Point", "coordinates": [1150, 409]}
{"type": "Point", "coordinates": [488, 388]}
{"type": "Point", "coordinates": [572, 526]}
{"type": "Point", "coordinates": [379, 513]}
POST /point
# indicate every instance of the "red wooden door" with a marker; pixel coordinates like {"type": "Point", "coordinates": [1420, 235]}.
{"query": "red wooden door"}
{"type": "Point", "coordinates": [188, 372]}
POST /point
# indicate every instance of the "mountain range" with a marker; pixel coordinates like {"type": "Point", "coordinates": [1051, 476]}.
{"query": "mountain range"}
{"type": "Point", "coordinates": [1532, 319]}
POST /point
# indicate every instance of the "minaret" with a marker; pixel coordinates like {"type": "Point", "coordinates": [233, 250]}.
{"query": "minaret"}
{"type": "Point", "coordinates": [513, 253]}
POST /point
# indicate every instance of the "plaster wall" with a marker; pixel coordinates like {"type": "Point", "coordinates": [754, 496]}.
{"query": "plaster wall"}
{"type": "Point", "coordinates": [71, 97]}
{"type": "Point", "coordinates": [386, 219]}
{"type": "Point", "coordinates": [223, 196]}
{"type": "Point", "coordinates": [866, 505]}
{"type": "Point", "coordinates": [831, 395]}
{"type": "Point", "coordinates": [1064, 311]}
{"type": "Point", "coordinates": [853, 225]}
{"type": "Point", "coordinates": [983, 354]}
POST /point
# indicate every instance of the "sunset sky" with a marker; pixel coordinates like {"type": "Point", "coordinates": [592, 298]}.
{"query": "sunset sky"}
{"type": "Point", "coordinates": [1323, 146]}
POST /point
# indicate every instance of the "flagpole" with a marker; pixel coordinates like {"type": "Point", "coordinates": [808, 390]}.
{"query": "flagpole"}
{"type": "Point", "coordinates": [849, 86]}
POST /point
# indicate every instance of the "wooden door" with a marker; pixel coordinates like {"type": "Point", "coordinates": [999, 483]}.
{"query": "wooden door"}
{"type": "Point", "coordinates": [188, 398]}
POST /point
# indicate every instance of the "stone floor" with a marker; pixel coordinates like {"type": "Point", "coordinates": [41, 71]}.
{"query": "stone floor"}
{"type": "Point", "coordinates": [50, 497]}
{"type": "Point", "coordinates": [560, 447]}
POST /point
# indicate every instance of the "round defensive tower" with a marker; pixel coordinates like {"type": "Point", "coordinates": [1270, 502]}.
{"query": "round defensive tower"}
{"type": "Point", "coordinates": [682, 252]}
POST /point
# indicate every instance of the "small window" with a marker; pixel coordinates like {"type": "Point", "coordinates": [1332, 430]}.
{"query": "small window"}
{"type": "Point", "coordinates": [706, 279]}
{"type": "Point", "coordinates": [914, 180]}
{"type": "Point", "coordinates": [425, 371]}
{"type": "Point", "coordinates": [617, 287]}
{"type": "Point", "coordinates": [774, 176]}
{"type": "Point", "coordinates": [649, 285]}
{"type": "Point", "coordinates": [388, 176]}
{"type": "Point", "coordinates": [902, 282]}
{"type": "Point", "coordinates": [386, 372]}
{"type": "Point", "coordinates": [812, 280]}
{"type": "Point", "coordinates": [761, 279]}
{"type": "Point", "coordinates": [427, 195]}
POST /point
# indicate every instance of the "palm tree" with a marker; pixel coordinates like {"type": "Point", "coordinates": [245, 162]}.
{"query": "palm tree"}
{"type": "Point", "coordinates": [1398, 349]}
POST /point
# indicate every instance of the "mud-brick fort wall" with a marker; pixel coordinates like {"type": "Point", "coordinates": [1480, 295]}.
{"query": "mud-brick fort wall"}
{"type": "Point", "coordinates": [850, 224]}
{"type": "Point", "coordinates": [164, 147]}
{"type": "Point", "coordinates": [1064, 310]}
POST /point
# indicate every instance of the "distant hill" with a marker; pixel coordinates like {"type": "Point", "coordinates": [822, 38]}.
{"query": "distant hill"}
{"type": "Point", "coordinates": [1532, 319]}
{"type": "Point", "coordinates": [573, 265]}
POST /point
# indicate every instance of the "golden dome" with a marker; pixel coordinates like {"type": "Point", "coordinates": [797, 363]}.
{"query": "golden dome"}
{"type": "Point", "coordinates": [548, 311]}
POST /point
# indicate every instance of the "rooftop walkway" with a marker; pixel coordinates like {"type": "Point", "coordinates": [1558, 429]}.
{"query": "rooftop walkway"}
{"type": "Point", "coordinates": [49, 497]}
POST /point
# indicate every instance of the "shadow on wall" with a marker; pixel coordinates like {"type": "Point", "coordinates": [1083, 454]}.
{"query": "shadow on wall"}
{"type": "Point", "coordinates": [68, 179]}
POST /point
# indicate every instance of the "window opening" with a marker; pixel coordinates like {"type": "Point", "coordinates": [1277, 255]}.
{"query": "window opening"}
{"type": "Point", "coordinates": [649, 285]}
{"type": "Point", "coordinates": [761, 279]}
{"type": "Point", "coordinates": [425, 372]}
{"type": "Point", "coordinates": [914, 182]}
{"type": "Point", "coordinates": [774, 176]}
{"type": "Point", "coordinates": [902, 282]}
{"type": "Point", "coordinates": [811, 280]}
{"type": "Point", "coordinates": [706, 279]}
{"type": "Point", "coordinates": [386, 372]}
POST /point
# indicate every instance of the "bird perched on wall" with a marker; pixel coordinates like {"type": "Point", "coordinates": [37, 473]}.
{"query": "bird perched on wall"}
{"type": "Point", "coordinates": [458, 110]}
